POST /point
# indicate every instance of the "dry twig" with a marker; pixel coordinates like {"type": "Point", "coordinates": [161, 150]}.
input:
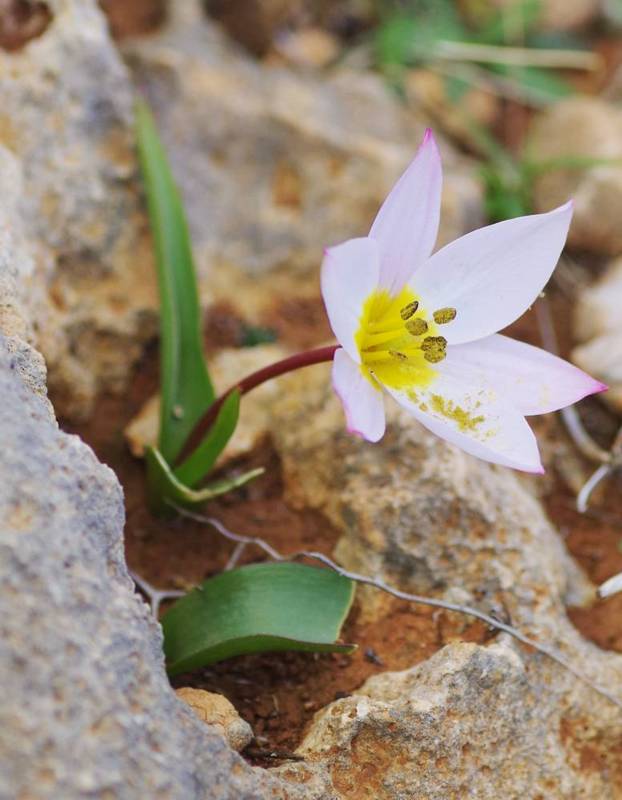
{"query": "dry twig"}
{"type": "Point", "coordinates": [245, 541]}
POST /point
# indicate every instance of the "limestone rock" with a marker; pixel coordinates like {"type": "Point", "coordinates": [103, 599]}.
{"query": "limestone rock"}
{"type": "Point", "coordinates": [465, 723]}
{"type": "Point", "coordinates": [583, 127]}
{"type": "Point", "coordinates": [599, 331]}
{"type": "Point", "coordinates": [216, 710]}
{"type": "Point", "coordinates": [66, 118]}
{"type": "Point", "coordinates": [308, 48]}
{"type": "Point", "coordinates": [424, 516]}
{"type": "Point", "coordinates": [86, 708]}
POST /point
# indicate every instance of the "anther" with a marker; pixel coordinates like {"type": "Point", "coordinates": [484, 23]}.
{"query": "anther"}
{"type": "Point", "coordinates": [398, 355]}
{"type": "Point", "coordinates": [417, 327]}
{"type": "Point", "coordinates": [434, 348]}
{"type": "Point", "coordinates": [444, 315]}
{"type": "Point", "coordinates": [409, 309]}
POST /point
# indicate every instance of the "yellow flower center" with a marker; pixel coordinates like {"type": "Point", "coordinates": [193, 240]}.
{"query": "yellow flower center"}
{"type": "Point", "coordinates": [398, 341]}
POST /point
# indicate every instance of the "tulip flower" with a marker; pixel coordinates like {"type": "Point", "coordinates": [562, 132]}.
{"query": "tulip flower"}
{"type": "Point", "coordinates": [422, 327]}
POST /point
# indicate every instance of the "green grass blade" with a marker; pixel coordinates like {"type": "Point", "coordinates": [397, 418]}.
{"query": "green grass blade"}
{"type": "Point", "coordinates": [258, 608]}
{"type": "Point", "coordinates": [185, 383]}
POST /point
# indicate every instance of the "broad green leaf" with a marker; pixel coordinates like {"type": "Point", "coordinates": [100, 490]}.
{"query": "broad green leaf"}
{"type": "Point", "coordinates": [201, 460]}
{"type": "Point", "coordinates": [165, 488]}
{"type": "Point", "coordinates": [185, 383]}
{"type": "Point", "coordinates": [258, 608]}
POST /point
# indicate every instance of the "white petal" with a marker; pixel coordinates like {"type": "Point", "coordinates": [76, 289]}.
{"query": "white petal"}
{"type": "Point", "coordinates": [611, 586]}
{"type": "Point", "coordinates": [407, 224]}
{"type": "Point", "coordinates": [529, 378]}
{"type": "Point", "coordinates": [492, 275]}
{"type": "Point", "coordinates": [474, 420]}
{"type": "Point", "coordinates": [363, 404]}
{"type": "Point", "coordinates": [349, 275]}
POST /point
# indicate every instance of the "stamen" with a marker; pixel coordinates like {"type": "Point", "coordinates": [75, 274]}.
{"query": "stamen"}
{"type": "Point", "coordinates": [383, 356]}
{"type": "Point", "coordinates": [417, 327]}
{"type": "Point", "coordinates": [444, 315]}
{"type": "Point", "coordinates": [434, 348]}
{"type": "Point", "coordinates": [409, 309]}
{"type": "Point", "coordinates": [382, 327]}
{"type": "Point", "coordinates": [374, 339]}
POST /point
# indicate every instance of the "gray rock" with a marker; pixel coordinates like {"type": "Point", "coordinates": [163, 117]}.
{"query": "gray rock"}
{"type": "Point", "coordinates": [425, 517]}
{"type": "Point", "coordinates": [86, 708]}
{"type": "Point", "coordinates": [66, 117]}
{"type": "Point", "coordinates": [465, 723]}
{"type": "Point", "coordinates": [583, 127]}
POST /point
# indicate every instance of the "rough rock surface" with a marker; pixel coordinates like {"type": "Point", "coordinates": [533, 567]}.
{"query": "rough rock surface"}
{"type": "Point", "coordinates": [214, 709]}
{"type": "Point", "coordinates": [424, 516]}
{"type": "Point", "coordinates": [583, 127]}
{"type": "Point", "coordinates": [66, 117]}
{"type": "Point", "coordinates": [597, 328]}
{"type": "Point", "coordinates": [86, 708]}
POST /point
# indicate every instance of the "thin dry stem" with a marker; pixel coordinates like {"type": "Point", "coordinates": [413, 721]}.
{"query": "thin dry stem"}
{"type": "Point", "coordinates": [155, 596]}
{"type": "Point", "coordinates": [469, 611]}
{"type": "Point", "coordinates": [517, 56]}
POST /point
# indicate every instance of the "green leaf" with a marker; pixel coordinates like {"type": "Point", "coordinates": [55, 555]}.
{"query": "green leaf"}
{"type": "Point", "coordinates": [538, 86]}
{"type": "Point", "coordinates": [505, 198]}
{"type": "Point", "coordinates": [165, 488]}
{"type": "Point", "coordinates": [185, 383]}
{"type": "Point", "coordinates": [407, 38]}
{"type": "Point", "coordinates": [201, 460]}
{"type": "Point", "coordinates": [576, 163]}
{"type": "Point", "coordinates": [509, 24]}
{"type": "Point", "coordinates": [253, 335]}
{"type": "Point", "coordinates": [455, 88]}
{"type": "Point", "coordinates": [258, 608]}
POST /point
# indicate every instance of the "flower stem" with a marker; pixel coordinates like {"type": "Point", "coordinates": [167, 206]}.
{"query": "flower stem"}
{"type": "Point", "coordinates": [289, 364]}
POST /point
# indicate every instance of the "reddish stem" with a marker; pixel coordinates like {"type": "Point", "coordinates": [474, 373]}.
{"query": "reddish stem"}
{"type": "Point", "coordinates": [289, 364]}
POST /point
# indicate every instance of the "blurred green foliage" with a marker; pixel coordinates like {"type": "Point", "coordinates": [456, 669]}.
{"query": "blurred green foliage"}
{"type": "Point", "coordinates": [413, 32]}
